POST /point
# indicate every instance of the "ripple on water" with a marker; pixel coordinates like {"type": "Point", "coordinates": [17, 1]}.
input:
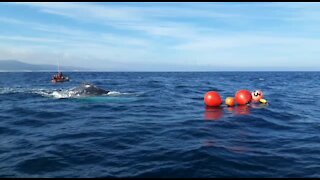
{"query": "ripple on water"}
{"type": "Point", "coordinates": [161, 128]}
{"type": "Point", "coordinates": [41, 165]}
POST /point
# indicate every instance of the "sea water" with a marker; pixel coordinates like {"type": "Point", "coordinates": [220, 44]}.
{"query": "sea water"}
{"type": "Point", "coordinates": [155, 124]}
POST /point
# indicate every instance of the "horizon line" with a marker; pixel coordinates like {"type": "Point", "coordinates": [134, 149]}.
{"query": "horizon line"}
{"type": "Point", "coordinates": [205, 71]}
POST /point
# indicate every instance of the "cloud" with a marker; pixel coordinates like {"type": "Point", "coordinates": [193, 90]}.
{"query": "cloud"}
{"type": "Point", "coordinates": [111, 34]}
{"type": "Point", "coordinates": [63, 34]}
{"type": "Point", "coordinates": [83, 54]}
{"type": "Point", "coordinates": [150, 20]}
{"type": "Point", "coordinates": [244, 41]}
{"type": "Point", "coordinates": [182, 20]}
{"type": "Point", "coordinates": [11, 20]}
{"type": "Point", "coordinates": [31, 39]}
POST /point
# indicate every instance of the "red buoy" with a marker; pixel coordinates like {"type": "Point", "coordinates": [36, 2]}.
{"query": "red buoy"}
{"type": "Point", "coordinates": [243, 97]}
{"type": "Point", "coordinates": [213, 99]}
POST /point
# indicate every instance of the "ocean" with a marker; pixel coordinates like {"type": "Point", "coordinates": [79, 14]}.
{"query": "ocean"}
{"type": "Point", "coordinates": [155, 124]}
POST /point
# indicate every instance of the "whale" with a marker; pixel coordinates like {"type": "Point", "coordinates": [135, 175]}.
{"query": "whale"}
{"type": "Point", "coordinates": [87, 89]}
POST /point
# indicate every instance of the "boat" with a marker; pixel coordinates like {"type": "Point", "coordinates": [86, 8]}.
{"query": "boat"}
{"type": "Point", "coordinates": [59, 77]}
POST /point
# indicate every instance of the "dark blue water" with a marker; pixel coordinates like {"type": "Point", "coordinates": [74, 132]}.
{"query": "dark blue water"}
{"type": "Point", "coordinates": [156, 125]}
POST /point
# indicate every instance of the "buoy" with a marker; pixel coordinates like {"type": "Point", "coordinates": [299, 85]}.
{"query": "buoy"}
{"type": "Point", "coordinates": [256, 95]}
{"type": "Point", "coordinates": [230, 101]}
{"type": "Point", "coordinates": [243, 97]}
{"type": "Point", "coordinates": [212, 98]}
{"type": "Point", "coordinates": [263, 101]}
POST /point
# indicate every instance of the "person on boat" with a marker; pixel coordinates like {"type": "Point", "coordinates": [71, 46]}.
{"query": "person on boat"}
{"type": "Point", "coordinates": [59, 77]}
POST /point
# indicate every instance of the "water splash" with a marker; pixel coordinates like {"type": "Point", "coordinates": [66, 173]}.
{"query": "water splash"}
{"type": "Point", "coordinates": [54, 93]}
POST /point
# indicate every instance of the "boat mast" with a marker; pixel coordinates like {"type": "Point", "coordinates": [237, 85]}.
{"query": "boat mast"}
{"type": "Point", "coordinates": [58, 66]}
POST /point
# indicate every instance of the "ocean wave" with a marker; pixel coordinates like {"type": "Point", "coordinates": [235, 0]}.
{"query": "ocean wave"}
{"type": "Point", "coordinates": [17, 90]}
{"type": "Point", "coordinates": [65, 94]}
{"type": "Point", "coordinates": [156, 132]}
{"type": "Point", "coordinates": [9, 90]}
{"type": "Point", "coordinates": [53, 93]}
{"type": "Point", "coordinates": [116, 93]}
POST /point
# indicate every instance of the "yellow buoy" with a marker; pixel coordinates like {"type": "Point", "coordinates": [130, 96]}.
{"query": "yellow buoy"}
{"type": "Point", "coordinates": [263, 101]}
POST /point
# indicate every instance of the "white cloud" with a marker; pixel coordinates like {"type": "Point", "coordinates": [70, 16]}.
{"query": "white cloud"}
{"type": "Point", "coordinates": [181, 33]}
{"type": "Point", "coordinates": [151, 20]}
{"type": "Point", "coordinates": [58, 34]}
{"type": "Point", "coordinates": [90, 55]}
{"type": "Point", "coordinates": [31, 39]}
{"type": "Point", "coordinates": [243, 41]}
{"type": "Point", "coordinates": [10, 20]}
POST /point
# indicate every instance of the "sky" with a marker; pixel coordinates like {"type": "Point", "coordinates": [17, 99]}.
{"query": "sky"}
{"type": "Point", "coordinates": [167, 36]}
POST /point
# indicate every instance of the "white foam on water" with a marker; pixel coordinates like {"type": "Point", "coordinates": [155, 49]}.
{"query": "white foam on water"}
{"type": "Point", "coordinates": [42, 92]}
{"type": "Point", "coordinates": [57, 95]}
{"type": "Point", "coordinates": [71, 94]}
{"type": "Point", "coordinates": [116, 93]}
{"type": "Point", "coordinates": [64, 94]}
{"type": "Point", "coordinates": [7, 90]}
{"type": "Point", "coordinates": [53, 93]}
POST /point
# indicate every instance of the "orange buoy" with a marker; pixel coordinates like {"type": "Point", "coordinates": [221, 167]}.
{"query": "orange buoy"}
{"type": "Point", "coordinates": [212, 98]}
{"type": "Point", "coordinates": [243, 97]}
{"type": "Point", "coordinates": [230, 101]}
{"type": "Point", "coordinates": [256, 95]}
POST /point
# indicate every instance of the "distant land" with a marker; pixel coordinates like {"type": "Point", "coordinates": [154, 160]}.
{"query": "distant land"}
{"type": "Point", "coordinates": [18, 66]}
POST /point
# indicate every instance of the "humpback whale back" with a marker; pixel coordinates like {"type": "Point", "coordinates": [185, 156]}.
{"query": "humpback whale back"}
{"type": "Point", "coordinates": [88, 89]}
